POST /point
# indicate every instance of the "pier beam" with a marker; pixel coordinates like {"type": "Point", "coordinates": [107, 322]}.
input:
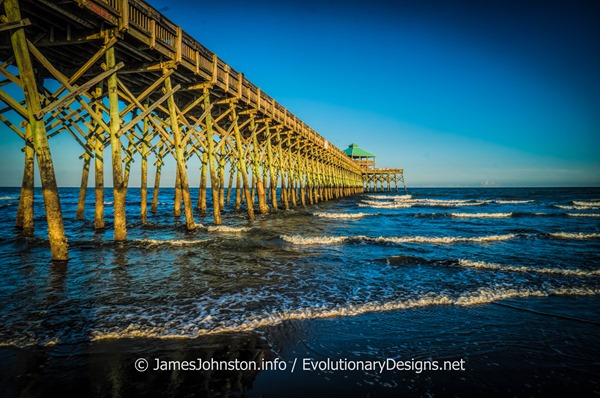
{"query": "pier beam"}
{"type": "Point", "coordinates": [56, 231]}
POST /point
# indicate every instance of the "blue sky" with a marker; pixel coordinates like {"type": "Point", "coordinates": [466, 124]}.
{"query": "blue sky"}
{"type": "Point", "coordinates": [458, 93]}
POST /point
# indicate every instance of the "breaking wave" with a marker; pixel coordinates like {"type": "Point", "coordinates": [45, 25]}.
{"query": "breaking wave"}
{"type": "Point", "coordinates": [482, 215]}
{"type": "Point", "coordinates": [343, 215]}
{"type": "Point", "coordinates": [314, 240]}
{"type": "Point", "coordinates": [513, 202]}
{"type": "Point", "coordinates": [576, 207]}
{"type": "Point", "coordinates": [325, 240]}
{"type": "Point", "coordinates": [499, 267]}
{"type": "Point", "coordinates": [170, 242]}
{"type": "Point", "coordinates": [593, 203]}
{"type": "Point", "coordinates": [227, 229]}
{"type": "Point", "coordinates": [190, 328]}
{"type": "Point", "coordinates": [574, 235]}
{"type": "Point", "coordinates": [583, 214]}
{"type": "Point", "coordinates": [390, 197]}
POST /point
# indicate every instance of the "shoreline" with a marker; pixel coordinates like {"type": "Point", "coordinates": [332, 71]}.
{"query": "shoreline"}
{"type": "Point", "coordinates": [510, 352]}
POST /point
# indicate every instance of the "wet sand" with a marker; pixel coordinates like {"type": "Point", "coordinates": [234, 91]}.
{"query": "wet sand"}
{"type": "Point", "coordinates": [506, 352]}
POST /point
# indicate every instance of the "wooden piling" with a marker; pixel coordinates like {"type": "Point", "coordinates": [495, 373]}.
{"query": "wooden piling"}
{"type": "Point", "coordinates": [83, 187]}
{"type": "Point", "coordinates": [180, 158]}
{"type": "Point", "coordinates": [211, 157]}
{"type": "Point", "coordinates": [241, 161]}
{"type": "Point", "coordinates": [56, 232]}
{"type": "Point", "coordinates": [202, 188]}
{"type": "Point", "coordinates": [25, 216]}
{"type": "Point", "coordinates": [119, 191]}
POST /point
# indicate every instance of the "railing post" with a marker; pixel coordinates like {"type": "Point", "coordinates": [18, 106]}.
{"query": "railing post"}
{"type": "Point", "coordinates": [124, 15]}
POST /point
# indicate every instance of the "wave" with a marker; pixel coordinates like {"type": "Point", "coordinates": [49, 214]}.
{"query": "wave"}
{"type": "Point", "coordinates": [390, 197]}
{"type": "Point", "coordinates": [499, 267]}
{"type": "Point", "coordinates": [487, 295]}
{"type": "Point", "coordinates": [513, 202]}
{"type": "Point", "coordinates": [482, 215]}
{"type": "Point", "coordinates": [384, 205]}
{"type": "Point", "coordinates": [443, 239]}
{"type": "Point", "coordinates": [406, 201]}
{"type": "Point", "coordinates": [576, 207]}
{"type": "Point", "coordinates": [227, 229]}
{"type": "Point", "coordinates": [575, 235]}
{"type": "Point", "coordinates": [325, 240]}
{"type": "Point", "coordinates": [314, 240]}
{"type": "Point", "coordinates": [9, 197]}
{"type": "Point", "coordinates": [170, 242]}
{"type": "Point", "coordinates": [477, 297]}
{"type": "Point", "coordinates": [343, 215]}
{"type": "Point", "coordinates": [593, 203]}
{"type": "Point", "coordinates": [583, 214]}
{"type": "Point", "coordinates": [450, 203]}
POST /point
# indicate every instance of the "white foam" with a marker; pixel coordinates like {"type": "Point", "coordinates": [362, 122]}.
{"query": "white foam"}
{"type": "Point", "coordinates": [574, 235]}
{"type": "Point", "coordinates": [583, 214]}
{"type": "Point", "coordinates": [314, 240]}
{"type": "Point", "coordinates": [576, 207]}
{"type": "Point", "coordinates": [9, 197]}
{"type": "Point", "coordinates": [513, 202]}
{"type": "Point", "coordinates": [481, 215]}
{"type": "Point", "coordinates": [593, 203]}
{"type": "Point", "coordinates": [385, 205]}
{"type": "Point", "coordinates": [191, 330]}
{"type": "Point", "coordinates": [326, 240]}
{"type": "Point", "coordinates": [227, 229]}
{"type": "Point", "coordinates": [487, 295]}
{"type": "Point", "coordinates": [443, 239]}
{"type": "Point", "coordinates": [499, 267]}
{"type": "Point", "coordinates": [342, 215]}
{"type": "Point", "coordinates": [170, 242]}
{"type": "Point", "coordinates": [390, 197]}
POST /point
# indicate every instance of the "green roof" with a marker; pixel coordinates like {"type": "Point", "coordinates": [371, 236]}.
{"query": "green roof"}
{"type": "Point", "coordinates": [354, 151]}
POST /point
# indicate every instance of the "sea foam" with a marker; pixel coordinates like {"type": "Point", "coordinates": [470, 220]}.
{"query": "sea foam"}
{"type": "Point", "coordinates": [482, 215]}
{"type": "Point", "coordinates": [552, 270]}
{"type": "Point", "coordinates": [342, 215]}
{"type": "Point", "coordinates": [325, 240]}
{"type": "Point", "coordinates": [575, 235]}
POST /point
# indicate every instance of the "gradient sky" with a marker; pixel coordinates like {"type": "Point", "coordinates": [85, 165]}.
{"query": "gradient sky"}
{"type": "Point", "coordinates": [458, 93]}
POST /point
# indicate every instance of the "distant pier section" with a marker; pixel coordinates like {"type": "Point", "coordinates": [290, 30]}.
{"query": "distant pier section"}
{"type": "Point", "coordinates": [375, 179]}
{"type": "Point", "coordinates": [130, 86]}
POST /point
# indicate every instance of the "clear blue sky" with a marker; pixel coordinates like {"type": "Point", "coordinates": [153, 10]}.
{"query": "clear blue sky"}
{"type": "Point", "coordinates": [459, 93]}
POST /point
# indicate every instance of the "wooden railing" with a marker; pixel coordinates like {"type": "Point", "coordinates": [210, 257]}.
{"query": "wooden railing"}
{"type": "Point", "coordinates": [144, 21]}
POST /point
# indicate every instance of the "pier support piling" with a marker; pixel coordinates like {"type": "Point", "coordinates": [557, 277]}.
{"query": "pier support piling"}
{"type": "Point", "coordinates": [56, 231]}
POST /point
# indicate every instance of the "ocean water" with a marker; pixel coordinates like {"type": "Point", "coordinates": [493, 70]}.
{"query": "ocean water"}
{"type": "Point", "coordinates": [534, 251]}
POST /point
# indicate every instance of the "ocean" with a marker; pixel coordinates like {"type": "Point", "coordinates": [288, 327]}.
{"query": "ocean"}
{"type": "Point", "coordinates": [503, 284]}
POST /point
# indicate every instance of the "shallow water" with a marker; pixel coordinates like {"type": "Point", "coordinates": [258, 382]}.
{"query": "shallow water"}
{"type": "Point", "coordinates": [369, 254]}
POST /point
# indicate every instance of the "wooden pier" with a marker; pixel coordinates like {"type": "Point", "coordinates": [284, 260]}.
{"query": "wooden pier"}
{"type": "Point", "coordinates": [131, 84]}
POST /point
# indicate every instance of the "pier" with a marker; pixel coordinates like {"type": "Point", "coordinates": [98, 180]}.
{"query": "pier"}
{"type": "Point", "coordinates": [126, 83]}
{"type": "Point", "coordinates": [375, 179]}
